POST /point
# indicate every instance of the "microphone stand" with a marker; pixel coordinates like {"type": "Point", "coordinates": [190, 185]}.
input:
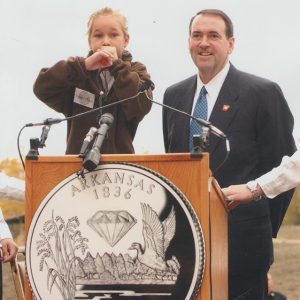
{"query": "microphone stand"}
{"type": "Point", "coordinates": [36, 143]}
{"type": "Point", "coordinates": [200, 143]}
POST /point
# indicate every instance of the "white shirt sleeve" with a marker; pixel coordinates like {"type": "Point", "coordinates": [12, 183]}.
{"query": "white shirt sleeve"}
{"type": "Point", "coordinates": [283, 178]}
{"type": "Point", "coordinates": [4, 230]}
{"type": "Point", "coordinates": [11, 187]}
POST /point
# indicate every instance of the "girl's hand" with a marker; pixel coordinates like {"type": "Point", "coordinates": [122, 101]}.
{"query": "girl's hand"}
{"type": "Point", "coordinates": [101, 59]}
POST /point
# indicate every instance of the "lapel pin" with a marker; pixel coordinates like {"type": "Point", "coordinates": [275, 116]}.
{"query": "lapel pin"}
{"type": "Point", "coordinates": [225, 107]}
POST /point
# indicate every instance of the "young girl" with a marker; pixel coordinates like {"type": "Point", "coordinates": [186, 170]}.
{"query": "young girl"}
{"type": "Point", "coordinates": [107, 75]}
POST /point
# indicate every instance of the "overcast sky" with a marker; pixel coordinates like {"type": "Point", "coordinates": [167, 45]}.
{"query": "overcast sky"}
{"type": "Point", "coordinates": [36, 34]}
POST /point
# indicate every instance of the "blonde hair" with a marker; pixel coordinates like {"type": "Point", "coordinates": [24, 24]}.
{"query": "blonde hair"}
{"type": "Point", "coordinates": [107, 11]}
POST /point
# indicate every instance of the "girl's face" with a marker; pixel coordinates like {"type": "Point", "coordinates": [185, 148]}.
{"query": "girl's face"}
{"type": "Point", "coordinates": [107, 30]}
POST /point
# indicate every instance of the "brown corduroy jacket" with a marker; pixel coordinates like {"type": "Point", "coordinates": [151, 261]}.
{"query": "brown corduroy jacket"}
{"type": "Point", "coordinates": [56, 86]}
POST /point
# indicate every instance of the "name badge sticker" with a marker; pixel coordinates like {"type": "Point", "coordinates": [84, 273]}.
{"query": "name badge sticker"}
{"type": "Point", "coordinates": [84, 98]}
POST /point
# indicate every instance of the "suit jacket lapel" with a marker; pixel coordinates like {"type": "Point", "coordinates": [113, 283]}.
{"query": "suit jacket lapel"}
{"type": "Point", "coordinates": [225, 108]}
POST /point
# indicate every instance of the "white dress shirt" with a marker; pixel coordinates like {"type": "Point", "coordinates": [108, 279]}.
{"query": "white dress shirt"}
{"type": "Point", "coordinates": [283, 178]}
{"type": "Point", "coordinates": [213, 88]}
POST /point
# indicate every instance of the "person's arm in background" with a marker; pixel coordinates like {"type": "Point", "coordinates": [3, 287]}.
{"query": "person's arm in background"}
{"type": "Point", "coordinates": [282, 178]}
{"type": "Point", "coordinates": [7, 244]}
{"type": "Point", "coordinates": [11, 187]}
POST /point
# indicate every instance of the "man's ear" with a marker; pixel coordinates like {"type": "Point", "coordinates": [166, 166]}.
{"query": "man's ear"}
{"type": "Point", "coordinates": [231, 45]}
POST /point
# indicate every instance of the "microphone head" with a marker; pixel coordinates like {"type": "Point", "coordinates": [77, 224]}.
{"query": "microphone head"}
{"type": "Point", "coordinates": [107, 119]}
{"type": "Point", "coordinates": [146, 85]}
{"type": "Point", "coordinates": [92, 159]}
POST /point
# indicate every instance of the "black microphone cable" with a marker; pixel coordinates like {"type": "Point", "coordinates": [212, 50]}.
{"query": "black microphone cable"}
{"type": "Point", "coordinates": [18, 146]}
{"type": "Point", "coordinates": [225, 158]}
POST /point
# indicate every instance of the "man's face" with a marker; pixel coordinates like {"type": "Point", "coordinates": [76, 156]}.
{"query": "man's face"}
{"type": "Point", "coordinates": [209, 47]}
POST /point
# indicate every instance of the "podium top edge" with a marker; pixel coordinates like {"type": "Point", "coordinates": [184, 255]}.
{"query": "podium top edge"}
{"type": "Point", "coordinates": [122, 158]}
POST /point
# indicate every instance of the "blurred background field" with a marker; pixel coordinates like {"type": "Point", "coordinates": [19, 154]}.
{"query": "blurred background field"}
{"type": "Point", "coordinates": [285, 270]}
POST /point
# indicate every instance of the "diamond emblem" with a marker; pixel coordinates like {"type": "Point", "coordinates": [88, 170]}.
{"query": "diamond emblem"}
{"type": "Point", "coordinates": [112, 225]}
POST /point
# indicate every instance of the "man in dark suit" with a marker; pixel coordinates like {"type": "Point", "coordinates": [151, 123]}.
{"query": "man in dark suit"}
{"type": "Point", "coordinates": [254, 115]}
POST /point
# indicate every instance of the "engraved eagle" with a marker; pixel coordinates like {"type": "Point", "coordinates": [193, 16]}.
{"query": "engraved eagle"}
{"type": "Point", "coordinates": [157, 237]}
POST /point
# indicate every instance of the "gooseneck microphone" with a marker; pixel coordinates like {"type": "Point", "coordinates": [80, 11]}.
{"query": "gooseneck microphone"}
{"type": "Point", "coordinates": [87, 140]}
{"type": "Point", "coordinates": [142, 90]}
{"type": "Point", "coordinates": [44, 135]}
{"type": "Point", "coordinates": [51, 121]}
{"type": "Point", "coordinates": [92, 158]}
{"type": "Point", "coordinates": [147, 84]}
{"type": "Point", "coordinates": [209, 127]}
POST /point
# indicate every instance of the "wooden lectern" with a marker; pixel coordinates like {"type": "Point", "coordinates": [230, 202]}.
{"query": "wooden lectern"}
{"type": "Point", "coordinates": [190, 175]}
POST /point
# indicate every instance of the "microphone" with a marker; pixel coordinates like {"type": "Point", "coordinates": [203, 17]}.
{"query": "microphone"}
{"type": "Point", "coordinates": [48, 121]}
{"type": "Point", "coordinates": [92, 158]}
{"type": "Point", "coordinates": [212, 128]}
{"type": "Point", "coordinates": [146, 85]}
{"type": "Point", "coordinates": [44, 135]}
{"type": "Point", "coordinates": [88, 138]}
